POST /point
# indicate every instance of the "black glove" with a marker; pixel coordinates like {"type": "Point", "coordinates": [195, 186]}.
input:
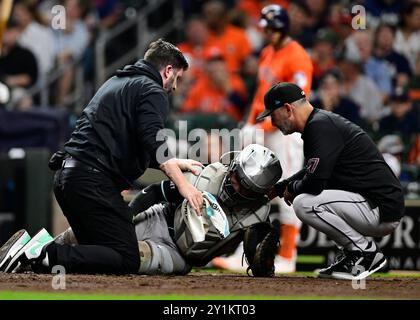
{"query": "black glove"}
{"type": "Point", "coordinates": [261, 242]}
{"type": "Point", "coordinates": [281, 187]}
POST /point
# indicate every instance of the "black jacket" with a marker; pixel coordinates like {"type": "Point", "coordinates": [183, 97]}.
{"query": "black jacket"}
{"type": "Point", "coordinates": [116, 132]}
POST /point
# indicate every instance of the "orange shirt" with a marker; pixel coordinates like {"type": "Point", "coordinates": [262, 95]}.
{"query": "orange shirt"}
{"type": "Point", "coordinates": [234, 44]}
{"type": "Point", "coordinates": [205, 97]}
{"type": "Point", "coordinates": [288, 64]}
{"type": "Point", "coordinates": [194, 56]}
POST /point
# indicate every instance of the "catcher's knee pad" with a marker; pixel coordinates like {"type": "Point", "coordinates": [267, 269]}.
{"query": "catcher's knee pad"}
{"type": "Point", "coordinates": [154, 258]}
{"type": "Point", "coordinates": [66, 237]}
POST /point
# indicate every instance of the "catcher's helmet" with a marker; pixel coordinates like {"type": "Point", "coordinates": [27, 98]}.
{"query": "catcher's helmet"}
{"type": "Point", "coordinates": [275, 17]}
{"type": "Point", "coordinates": [257, 169]}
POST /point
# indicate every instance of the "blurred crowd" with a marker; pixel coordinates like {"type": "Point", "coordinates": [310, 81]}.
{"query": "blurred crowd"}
{"type": "Point", "coordinates": [368, 72]}
{"type": "Point", "coordinates": [47, 37]}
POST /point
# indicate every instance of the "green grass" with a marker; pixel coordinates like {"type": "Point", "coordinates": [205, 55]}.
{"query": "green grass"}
{"type": "Point", "coordinates": [396, 274]}
{"type": "Point", "coordinates": [308, 259]}
{"type": "Point", "coordinates": [10, 295]}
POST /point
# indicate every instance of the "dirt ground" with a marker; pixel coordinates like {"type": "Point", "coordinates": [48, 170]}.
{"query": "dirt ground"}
{"type": "Point", "coordinates": [205, 283]}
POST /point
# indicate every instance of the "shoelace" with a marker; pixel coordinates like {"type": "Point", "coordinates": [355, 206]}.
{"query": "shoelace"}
{"type": "Point", "coordinates": [351, 258]}
{"type": "Point", "coordinates": [339, 256]}
{"type": "Point", "coordinates": [242, 264]}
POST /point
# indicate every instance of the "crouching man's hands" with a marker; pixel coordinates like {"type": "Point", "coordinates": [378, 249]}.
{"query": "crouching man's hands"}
{"type": "Point", "coordinates": [288, 197]}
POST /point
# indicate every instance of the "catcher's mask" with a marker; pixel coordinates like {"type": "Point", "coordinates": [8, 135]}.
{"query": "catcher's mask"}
{"type": "Point", "coordinates": [251, 174]}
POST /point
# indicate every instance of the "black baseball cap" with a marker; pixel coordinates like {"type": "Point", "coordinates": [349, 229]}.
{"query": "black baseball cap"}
{"type": "Point", "coordinates": [278, 95]}
{"type": "Point", "coordinates": [400, 95]}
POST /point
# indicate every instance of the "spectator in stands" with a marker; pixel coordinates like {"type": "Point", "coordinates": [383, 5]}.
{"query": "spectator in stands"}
{"type": "Point", "coordinates": [319, 14]}
{"type": "Point", "coordinates": [322, 54]}
{"type": "Point", "coordinates": [230, 39]}
{"type": "Point", "coordinates": [397, 65]}
{"type": "Point", "coordinates": [361, 89]}
{"type": "Point", "coordinates": [196, 39]}
{"type": "Point", "coordinates": [241, 19]}
{"type": "Point", "coordinates": [360, 46]}
{"type": "Point", "coordinates": [299, 14]}
{"type": "Point", "coordinates": [35, 36]}
{"type": "Point", "coordinates": [407, 38]}
{"type": "Point", "coordinates": [108, 11]}
{"type": "Point", "coordinates": [339, 20]}
{"type": "Point", "coordinates": [18, 66]}
{"type": "Point", "coordinates": [391, 147]}
{"type": "Point", "coordinates": [71, 44]}
{"type": "Point", "coordinates": [217, 90]}
{"type": "Point", "coordinates": [414, 85]}
{"type": "Point", "coordinates": [193, 47]}
{"type": "Point", "coordinates": [331, 99]}
{"type": "Point", "coordinates": [402, 120]}
{"type": "Point", "coordinates": [382, 11]}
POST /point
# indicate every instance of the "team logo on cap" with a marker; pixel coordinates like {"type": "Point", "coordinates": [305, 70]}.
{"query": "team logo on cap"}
{"type": "Point", "coordinates": [270, 15]}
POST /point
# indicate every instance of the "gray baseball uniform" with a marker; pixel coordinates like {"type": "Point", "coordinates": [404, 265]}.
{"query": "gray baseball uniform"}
{"type": "Point", "coordinates": [347, 190]}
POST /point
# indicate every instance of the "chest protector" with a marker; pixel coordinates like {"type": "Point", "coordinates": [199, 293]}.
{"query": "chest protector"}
{"type": "Point", "coordinates": [215, 243]}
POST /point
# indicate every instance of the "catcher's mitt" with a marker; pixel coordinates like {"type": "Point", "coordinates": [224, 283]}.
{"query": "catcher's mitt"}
{"type": "Point", "coordinates": [261, 242]}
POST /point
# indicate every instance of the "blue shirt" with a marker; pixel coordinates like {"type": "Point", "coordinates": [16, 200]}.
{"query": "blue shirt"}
{"type": "Point", "coordinates": [378, 71]}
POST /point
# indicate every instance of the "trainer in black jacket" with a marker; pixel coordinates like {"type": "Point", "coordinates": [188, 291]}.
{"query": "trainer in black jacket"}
{"type": "Point", "coordinates": [117, 130]}
{"type": "Point", "coordinates": [113, 143]}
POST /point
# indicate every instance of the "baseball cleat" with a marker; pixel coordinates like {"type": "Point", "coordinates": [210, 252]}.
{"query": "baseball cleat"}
{"type": "Point", "coordinates": [354, 265]}
{"type": "Point", "coordinates": [32, 252]}
{"type": "Point", "coordinates": [13, 246]}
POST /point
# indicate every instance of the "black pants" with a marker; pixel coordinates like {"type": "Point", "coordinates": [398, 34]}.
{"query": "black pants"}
{"type": "Point", "coordinates": [101, 222]}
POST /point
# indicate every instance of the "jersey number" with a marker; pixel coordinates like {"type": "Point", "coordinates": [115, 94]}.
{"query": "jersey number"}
{"type": "Point", "coordinates": [312, 164]}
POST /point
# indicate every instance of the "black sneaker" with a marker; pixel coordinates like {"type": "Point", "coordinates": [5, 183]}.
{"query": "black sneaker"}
{"type": "Point", "coordinates": [355, 265]}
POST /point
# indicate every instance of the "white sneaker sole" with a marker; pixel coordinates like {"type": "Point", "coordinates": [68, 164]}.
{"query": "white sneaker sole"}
{"type": "Point", "coordinates": [13, 246]}
{"type": "Point", "coordinates": [15, 265]}
{"type": "Point", "coordinates": [347, 276]}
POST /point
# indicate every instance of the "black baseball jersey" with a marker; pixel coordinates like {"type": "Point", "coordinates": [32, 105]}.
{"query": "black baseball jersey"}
{"type": "Point", "coordinates": [340, 155]}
